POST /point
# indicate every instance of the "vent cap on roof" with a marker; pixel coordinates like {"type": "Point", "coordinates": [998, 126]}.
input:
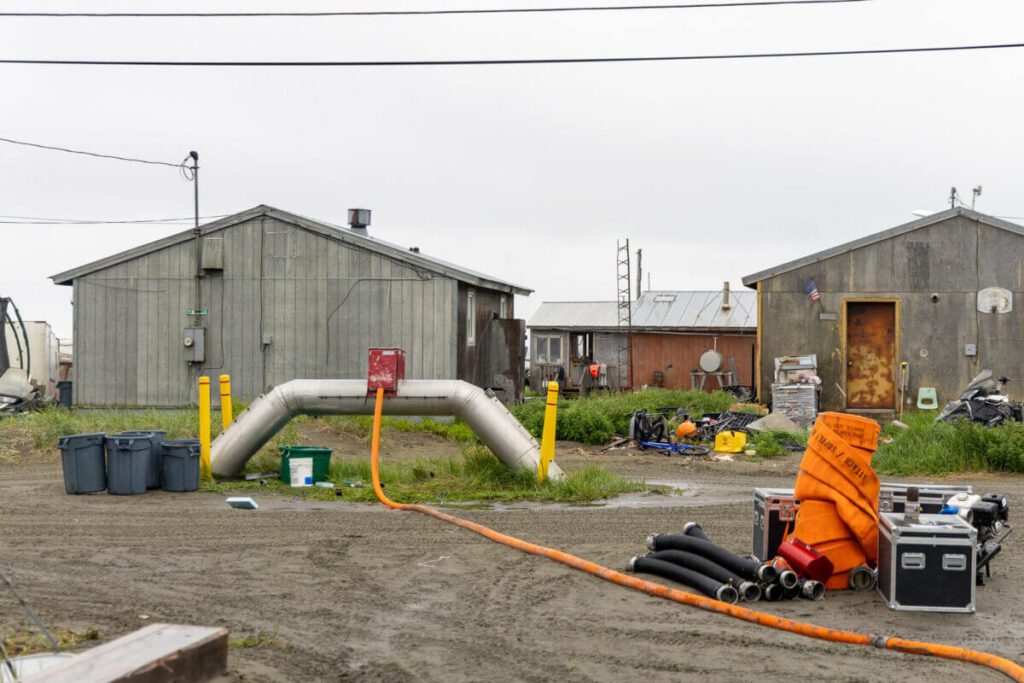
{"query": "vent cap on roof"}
{"type": "Point", "coordinates": [358, 220]}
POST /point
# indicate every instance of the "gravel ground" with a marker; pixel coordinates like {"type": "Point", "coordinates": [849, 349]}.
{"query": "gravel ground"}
{"type": "Point", "coordinates": [349, 592]}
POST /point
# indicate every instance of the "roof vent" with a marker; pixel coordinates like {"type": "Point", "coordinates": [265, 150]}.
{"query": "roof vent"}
{"type": "Point", "coordinates": [358, 220]}
{"type": "Point", "coordinates": [664, 298]}
{"type": "Point", "coordinates": [725, 296]}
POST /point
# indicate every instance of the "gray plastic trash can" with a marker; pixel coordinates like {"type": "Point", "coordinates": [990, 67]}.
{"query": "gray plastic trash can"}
{"type": "Point", "coordinates": [181, 464]}
{"type": "Point", "coordinates": [82, 459]}
{"type": "Point", "coordinates": [127, 464]}
{"type": "Point", "coordinates": [64, 390]}
{"type": "Point", "coordinates": [155, 438]}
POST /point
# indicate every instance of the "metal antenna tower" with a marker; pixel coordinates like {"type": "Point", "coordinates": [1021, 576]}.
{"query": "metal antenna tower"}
{"type": "Point", "coordinates": [625, 312]}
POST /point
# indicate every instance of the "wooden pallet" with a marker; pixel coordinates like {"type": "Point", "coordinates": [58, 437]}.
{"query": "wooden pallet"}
{"type": "Point", "coordinates": [158, 653]}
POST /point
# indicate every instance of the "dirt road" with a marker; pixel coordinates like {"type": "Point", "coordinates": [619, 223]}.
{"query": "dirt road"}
{"type": "Point", "coordinates": [345, 592]}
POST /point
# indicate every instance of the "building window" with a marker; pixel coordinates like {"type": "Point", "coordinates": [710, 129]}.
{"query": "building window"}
{"type": "Point", "coordinates": [549, 349]}
{"type": "Point", "coordinates": [471, 318]}
{"type": "Point", "coordinates": [503, 307]}
{"type": "Point", "coordinates": [582, 345]}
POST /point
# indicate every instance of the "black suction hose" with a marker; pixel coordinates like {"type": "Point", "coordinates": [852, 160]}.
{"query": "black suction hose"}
{"type": "Point", "coordinates": [748, 568]}
{"type": "Point", "coordinates": [695, 530]}
{"type": "Point", "coordinates": [773, 592]}
{"type": "Point", "coordinates": [749, 591]}
{"type": "Point", "coordinates": [687, 577]}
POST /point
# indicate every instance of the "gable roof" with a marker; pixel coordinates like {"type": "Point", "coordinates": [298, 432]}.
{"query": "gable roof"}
{"type": "Point", "coordinates": [655, 310]}
{"type": "Point", "coordinates": [328, 230]}
{"type": "Point", "coordinates": [752, 280]}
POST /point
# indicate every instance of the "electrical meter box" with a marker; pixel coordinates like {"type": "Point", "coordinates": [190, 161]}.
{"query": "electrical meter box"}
{"type": "Point", "coordinates": [195, 345]}
{"type": "Point", "coordinates": [774, 511]}
{"type": "Point", "coordinates": [386, 370]}
{"type": "Point", "coordinates": [927, 564]}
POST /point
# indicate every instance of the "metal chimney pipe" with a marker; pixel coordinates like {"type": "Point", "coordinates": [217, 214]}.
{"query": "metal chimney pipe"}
{"type": "Point", "coordinates": [725, 296]}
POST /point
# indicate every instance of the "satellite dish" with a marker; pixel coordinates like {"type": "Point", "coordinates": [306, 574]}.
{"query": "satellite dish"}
{"type": "Point", "coordinates": [711, 361]}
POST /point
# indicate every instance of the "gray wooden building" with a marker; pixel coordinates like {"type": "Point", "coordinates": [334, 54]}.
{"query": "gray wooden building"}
{"type": "Point", "coordinates": [267, 296]}
{"type": "Point", "coordinates": [942, 294]}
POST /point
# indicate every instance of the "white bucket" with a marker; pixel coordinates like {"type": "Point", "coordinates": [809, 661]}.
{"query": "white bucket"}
{"type": "Point", "coordinates": [301, 471]}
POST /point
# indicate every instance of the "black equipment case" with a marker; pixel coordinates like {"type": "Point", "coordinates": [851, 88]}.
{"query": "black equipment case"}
{"type": "Point", "coordinates": [928, 565]}
{"type": "Point", "coordinates": [774, 510]}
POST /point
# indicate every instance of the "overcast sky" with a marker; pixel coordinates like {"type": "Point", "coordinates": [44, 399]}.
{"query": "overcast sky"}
{"type": "Point", "coordinates": [528, 173]}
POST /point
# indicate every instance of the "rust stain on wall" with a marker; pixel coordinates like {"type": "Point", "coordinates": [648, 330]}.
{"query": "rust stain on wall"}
{"type": "Point", "coordinates": [871, 355]}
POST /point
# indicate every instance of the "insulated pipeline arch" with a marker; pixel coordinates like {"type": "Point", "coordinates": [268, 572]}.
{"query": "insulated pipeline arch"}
{"type": "Point", "coordinates": [268, 414]}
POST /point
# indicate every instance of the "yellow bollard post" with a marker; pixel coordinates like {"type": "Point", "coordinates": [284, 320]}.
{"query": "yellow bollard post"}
{"type": "Point", "coordinates": [547, 442]}
{"type": "Point", "coordinates": [226, 413]}
{"type": "Point", "coordinates": [204, 428]}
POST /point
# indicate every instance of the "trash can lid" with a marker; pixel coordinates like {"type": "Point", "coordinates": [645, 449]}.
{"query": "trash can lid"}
{"type": "Point", "coordinates": [65, 439]}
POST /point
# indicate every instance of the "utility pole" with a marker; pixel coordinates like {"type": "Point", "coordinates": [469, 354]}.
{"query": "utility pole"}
{"type": "Point", "coordinates": [192, 173]}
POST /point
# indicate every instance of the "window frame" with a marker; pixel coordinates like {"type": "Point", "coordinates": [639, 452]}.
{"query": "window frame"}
{"type": "Point", "coordinates": [544, 358]}
{"type": "Point", "coordinates": [471, 317]}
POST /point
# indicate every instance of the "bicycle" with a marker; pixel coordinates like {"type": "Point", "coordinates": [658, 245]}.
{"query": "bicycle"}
{"type": "Point", "coordinates": [678, 447]}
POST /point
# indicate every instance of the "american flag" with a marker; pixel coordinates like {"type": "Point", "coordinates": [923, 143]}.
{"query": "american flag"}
{"type": "Point", "coordinates": [811, 290]}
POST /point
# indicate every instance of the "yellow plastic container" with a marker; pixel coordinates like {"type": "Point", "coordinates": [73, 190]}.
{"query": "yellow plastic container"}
{"type": "Point", "coordinates": [730, 442]}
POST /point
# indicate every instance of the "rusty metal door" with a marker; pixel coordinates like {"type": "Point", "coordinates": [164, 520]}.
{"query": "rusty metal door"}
{"type": "Point", "coordinates": [871, 355]}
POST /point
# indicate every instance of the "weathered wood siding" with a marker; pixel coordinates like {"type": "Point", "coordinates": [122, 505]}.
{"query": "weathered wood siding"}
{"type": "Point", "coordinates": [653, 352]}
{"type": "Point", "coordinates": [319, 302]}
{"type": "Point", "coordinates": [953, 259]}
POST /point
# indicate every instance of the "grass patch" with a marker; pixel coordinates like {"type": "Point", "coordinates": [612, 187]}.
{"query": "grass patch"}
{"type": "Point", "coordinates": [18, 643]}
{"type": "Point", "coordinates": [772, 443]}
{"type": "Point", "coordinates": [41, 429]}
{"type": "Point", "coordinates": [362, 426]}
{"type": "Point", "coordinates": [596, 419]}
{"type": "Point", "coordinates": [930, 447]}
{"type": "Point", "coordinates": [477, 476]}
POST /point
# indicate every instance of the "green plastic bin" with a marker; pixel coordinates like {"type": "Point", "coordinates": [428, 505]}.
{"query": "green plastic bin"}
{"type": "Point", "coordinates": [321, 461]}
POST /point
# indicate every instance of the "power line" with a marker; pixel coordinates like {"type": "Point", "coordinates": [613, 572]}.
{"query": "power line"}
{"type": "Point", "coordinates": [86, 223]}
{"type": "Point", "coordinates": [501, 62]}
{"type": "Point", "coordinates": [89, 154]}
{"type": "Point", "coordinates": [38, 220]}
{"type": "Point", "coordinates": [429, 12]}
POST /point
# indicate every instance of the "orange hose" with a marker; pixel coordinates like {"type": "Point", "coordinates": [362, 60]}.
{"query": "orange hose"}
{"type": "Point", "coordinates": [999, 664]}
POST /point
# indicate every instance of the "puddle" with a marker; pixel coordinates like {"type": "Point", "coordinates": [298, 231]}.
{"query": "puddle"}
{"type": "Point", "coordinates": [680, 494]}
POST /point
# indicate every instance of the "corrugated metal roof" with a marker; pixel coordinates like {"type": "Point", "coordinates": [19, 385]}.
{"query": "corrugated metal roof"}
{"type": "Point", "coordinates": [752, 280]}
{"type": "Point", "coordinates": [656, 310]}
{"type": "Point", "coordinates": [326, 229]}
{"type": "Point", "coordinates": [567, 314]}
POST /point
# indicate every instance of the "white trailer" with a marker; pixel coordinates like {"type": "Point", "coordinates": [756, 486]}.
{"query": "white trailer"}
{"type": "Point", "coordinates": [42, 351]}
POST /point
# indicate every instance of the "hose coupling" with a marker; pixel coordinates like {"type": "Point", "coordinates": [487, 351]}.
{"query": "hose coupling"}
{"type": "Point", "coordinates": [767, 573]}
{"type": "Point", "coordinates": [727, 593]}
{"type": "Point", "coordinates": [812, 590]}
